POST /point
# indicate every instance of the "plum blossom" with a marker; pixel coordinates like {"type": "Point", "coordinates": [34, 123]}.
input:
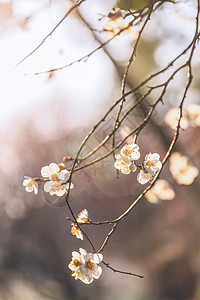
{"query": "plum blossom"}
{"type": "Point", "coordinates": [84, 265]}
{"type": "Point", "coordinates": [122, 164]}
{"type": "Point", "coordinates": [130, 151]}
{"type": "Point", "coordinates": [181, 169]}
{"type": "Point", "coordinates": [161, 190]}
{"type": "Point", "coordinates": [30, 184]}
{"type": "Point", "coordinates": [83, 216]}
{"type": "Point", "coordinates": [172, 117]}
{"type": "Point", "coordinates": [151, 166]}
{"type": "Point", "coordinates": [152, 163]}
{"type": "Point", "coordinates": [144, 176]}
{"type": "Point", "coordinates": [125, 160]}
{"type": "Point", "coordinates": [76, 231]}
{"type": "Point", "coordinates": [56, 180]}
{"type": "Point", "coordinates": [116, 23]}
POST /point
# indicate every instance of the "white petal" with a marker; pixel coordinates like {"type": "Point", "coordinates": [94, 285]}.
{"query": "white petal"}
{"type": "Point", "coordinates": [58, 191]}
{"type": "Point", "coordinates": [140, 179]}
{"type": "Point", "coordinates": [97, 258]}
{"type": "Point", "coordinates": [47, 186]}
{"type": "Point", "coordinates": [155, 156]}
{"type": "Point", "coordinates": [87, 280]}
{"type": "Point", "coordinates": [88, 256]}
{"type": "Point", "coordinates": [67, 186]}
{"type": "Point", "coordinates": [134, 147]}
{"type": "Point", "coordinates": [75, 254]}
{"type": "Point", "coordinates": [117, 156]}
{"type": "Point", "coordinates": [83, 251]}
{"type": "Point", "coordinates": [126, 170]}
{"type": "Point", "coordinates": [64, 175]}
{"type": "Point", "coordinates": [54, 168]}
{"type": "Point", "coordinates": [26, 181]}
{"type": "Point", "coordinates": [117, 164]}
{"type": "Point", "coordinates": [148, 156]}
{"type": "Point", "coordinates": [135, 155]}
{"type": "Point", "coordinates": [28, 189]}
{"type": "Point", "coordinates": [35, 190]}
{"type": "Point", "coordinates": [45, 172]}
{"type": "Point", "coordinates": [98, 273]}
{"type": "Point", "coordinates": [159, 165]}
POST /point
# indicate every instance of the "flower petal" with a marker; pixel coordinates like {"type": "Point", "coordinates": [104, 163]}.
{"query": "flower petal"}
{"type": "Point", "coordinates": [97, 273]}
{"type": "Point", "coordinates": [64, 176]}
{"type": "Point", "coordinates": [47, 186]}
{"type": "Point", "coordinates": [45, 172]}
{"type": "Point", "coordinates": [82, 251]}
{"type": "Point", "coordinates": [97, 258]}
{"type": "Point", "coordinates": [54, 168]}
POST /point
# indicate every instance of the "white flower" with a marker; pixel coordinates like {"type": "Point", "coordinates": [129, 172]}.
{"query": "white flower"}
{"type": "Point", "coordinates": [130, 152]}
{"type": "Point", "coordinates": [144, 176]}
{"type": "Point", "coordinates": [76, 231]}
{"type": "Point", "coordinates": [122, 164]}
{"type": "Point", "coordinates": [30, 185]}
{"type": "Point", "coordinates": [56, 180]}
{"type": "Point", "coordinates": [172, 117]}
{"type": "Point", "coordinates": [181, 169]}
{"type": "Point", "coordinates": [152, 163]}
{"type": "Point", "coordinates": [125, 160]}
{"type": "Point", "coordinates": [56, 188]}
{"type": "Point", "coordinates": [53, 173]}
{"type": "Point", "coordinates": [83, 216]}
{"type": "Point", "coordinates": [85, 265]}
{"type": "Point", "coordinates": [193, 114]}
{"type": "Point", "coordinates": [116, 23]}
{"type": "Point", "coordinates": [160, 191]}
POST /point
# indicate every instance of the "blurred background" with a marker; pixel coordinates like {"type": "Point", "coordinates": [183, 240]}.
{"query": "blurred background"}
{"type": "Point", "coordinates": [45, 117]}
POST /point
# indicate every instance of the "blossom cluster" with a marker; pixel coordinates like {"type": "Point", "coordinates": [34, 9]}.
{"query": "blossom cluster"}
{"type": "Point", "coordinates": [116, 23]}
{"type": "Point", "coordinates": [55, 179]}
{"type": "Point", "coordinates": [83, 217]}
{"type": "Point", "coordinates": [125, 162]}
{"type": "Point", "coordinates": [191, 117]}
{"type": "Point", "coordinates": [84, 265]}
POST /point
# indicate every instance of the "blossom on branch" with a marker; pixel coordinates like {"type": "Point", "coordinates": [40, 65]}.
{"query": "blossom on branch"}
{"type": "Point", "coordinates": [181, 169]}
{"type": "Point", "coordinates": [76, 231]}
{"type": "Point", "coordinates": [144, 176]}
{"type": "Point", "coordinates": [55, 180]}
{"type": "Point", "coordinates": [85, 265]}
{"type": "Point", "coordinates": [151, 166]}
{"type": "Point", "coordinates": [83, 216]}
{"type": "Point", "coordinates": [116, 23]}
{"type": "Point", "coordinates": [125, 160]}
{"type": "Point", "coordinates": [30, 184]}
{"type": "Point", "coordinates": [152, 163]}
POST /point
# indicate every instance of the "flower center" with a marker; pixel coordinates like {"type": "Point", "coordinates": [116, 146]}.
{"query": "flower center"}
{"type": "Point", "coordinates": [127, 151]}
{"type": "Point", "coordinates": [76, 263]}
{"type": "Point", "coordinates": [54, 177]}
{"type": "Point", "coordinates": [89, 265]}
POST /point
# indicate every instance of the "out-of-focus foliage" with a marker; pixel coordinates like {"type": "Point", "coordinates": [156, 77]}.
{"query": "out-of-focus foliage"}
{"type": "Point", "coordinates": [133, 4]}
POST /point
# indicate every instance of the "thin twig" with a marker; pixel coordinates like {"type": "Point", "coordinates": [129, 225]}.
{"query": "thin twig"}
{"type": "Point", "coordinates": [50, 33]}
